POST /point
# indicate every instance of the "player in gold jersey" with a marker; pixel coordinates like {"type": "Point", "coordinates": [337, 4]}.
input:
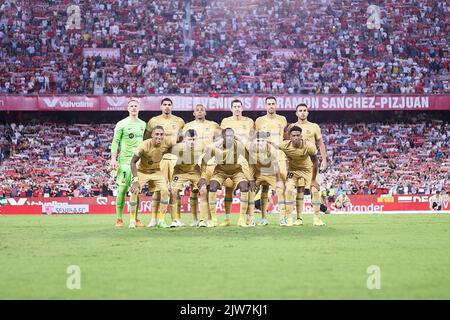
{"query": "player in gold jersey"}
{"type": "Point", "coordinates": [187, 171]}
{"type": "Point", "coordinates": [302, 170]}
{"type": "Point", "coordinates": [264, 164]}
{"type": "Point", "coordinates": [274, 124]}
{"type": "Point", "coordinates": [172, 128]}
{"type": "Point", "coordinates": [206, 130]}
{"type": "Point", "coordinates": [171, 123]}
{"type": "Point", "coordinates": [145, 169]}
{"type": "Point", "coordinates": [227, 152]}
{"type": "Point", "coordinates": [243, 128]}
{"type": "Point", "coordinates": [311, 132]}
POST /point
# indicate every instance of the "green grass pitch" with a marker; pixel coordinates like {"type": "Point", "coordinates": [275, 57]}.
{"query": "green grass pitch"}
{"type": "Point", "coordinates": [412, 252]}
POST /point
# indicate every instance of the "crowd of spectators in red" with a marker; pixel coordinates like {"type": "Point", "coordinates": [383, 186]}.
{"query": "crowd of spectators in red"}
{"type": "Point", "coordinates": [214, 46]}
{"type": "Point", "coordinates": [365, 158]}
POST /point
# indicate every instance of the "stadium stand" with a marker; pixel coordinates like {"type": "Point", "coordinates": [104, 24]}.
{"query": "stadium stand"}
{"type": "Point", "coordinates": [365, 158]}
{"type": "Point", "coordinates": [168, 47]}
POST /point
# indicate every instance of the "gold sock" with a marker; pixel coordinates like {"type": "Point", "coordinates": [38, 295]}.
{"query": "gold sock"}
{"type": "Point", "coordinates": [164, 203]}
{"type": "Point", "coordinates": [289, 199]}
{"type": "Point", "coordinates": [134, 200]}
{"type": "Point", "coordinates": [194, 205]}
{"type": "Point", "coordinates": [243, 206]}
{"type": "Point", "coordinates": [155, 204]}
{"type": "Point", "coordinates": [251, 205]}
{"type": "Point", "coordinates": [281, 203]}
{"type": "Point", "coordinates": [299, 204]}
{"type": "Point", "coordinates": [178, 212]}
{"type": "Point", "coordinates": [204, 209]}
{"type": "Point", "coordinates": [173, 208]}
{"type": "Point", "coordinates": [315, 200]}
{"type": "Point", "coordinates": [212, 203]}
{"type": "Point", "coordinates": [228, 201]}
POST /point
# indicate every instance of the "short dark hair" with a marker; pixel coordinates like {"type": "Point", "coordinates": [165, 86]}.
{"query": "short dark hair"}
{"type": "Point", "coordinates": [227, 129]}
{"type": "Point", "coordinates": [262, 134]}
{"type": "Point", "coordinates": [236, 100]}
{"type": "Point", "coordinates": [295, 128]}
{"type": "Point", "coordinates": [191, 133]}
{"type": "Point", "coordinates": [301, 105]}
{"type": "Point", "coordinates": [158, 127]}
{"type": "Point", "coordinates": [270, 98]}
{"type": "Point", "coordinates": [166, 99]}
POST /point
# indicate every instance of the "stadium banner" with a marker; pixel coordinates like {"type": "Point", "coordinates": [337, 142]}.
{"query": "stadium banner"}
{"type": "Point", "coordinates": [68, 103]}
{"type": "Point", "coordinates": [222, 103]}
{"type": "Point", "coordinates": [106, 205]}
{"type": "Point", "coordinates": [62, 208]}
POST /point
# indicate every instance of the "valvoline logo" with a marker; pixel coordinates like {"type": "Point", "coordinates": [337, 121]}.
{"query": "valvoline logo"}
{"type": "Point", "coordinates": [51, 102]}
{"type": "Point", "coordinates": [59, 102]}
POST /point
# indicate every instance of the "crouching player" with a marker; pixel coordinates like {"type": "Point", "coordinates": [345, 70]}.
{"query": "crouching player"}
{"type": "Point", "coordinates": [302, 166]}
{"type": "Point", "coordinates": [187, 171]}
{"type": "Point", "coordinates": [226, 152]}
{"type": "Point", "coordinates": [342, 201]}
{"type": "Point", "coordinates": [263, 159]}
{"type": "Point", "coordinates": [145, 170]}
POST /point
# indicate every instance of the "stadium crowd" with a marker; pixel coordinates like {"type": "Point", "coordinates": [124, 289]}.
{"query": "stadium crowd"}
{"type": "Point", "coordinates": [49, 159]}
{"type": "Point", "coordinates": [256, 46]}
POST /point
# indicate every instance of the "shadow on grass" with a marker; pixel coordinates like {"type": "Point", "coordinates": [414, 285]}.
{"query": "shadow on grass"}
{"type": "Point", "coordinates": [273, 232]}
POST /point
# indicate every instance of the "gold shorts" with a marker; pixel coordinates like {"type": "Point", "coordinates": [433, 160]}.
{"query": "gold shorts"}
{"type": "Point", "coordinates": [282, 165]}
{"type": "Point", "coordinates": [154, 180]}
{"type": "Point", "coordinates": [167, 164]}
{"type": "Point", "coordinates": [300, 178]}
{"type": "Point", "coordinates": [245, 168]}
{"type": "Point", "coordinates": [209, 172]}
{"type": "Point", "coordinates": [266, 180]}
{"type": "Point", "coordinates": [235, 178]}
{"type": "Point", "coordinates": [179, 180]}
{"type": "Point", "coordinates": [229, 184]}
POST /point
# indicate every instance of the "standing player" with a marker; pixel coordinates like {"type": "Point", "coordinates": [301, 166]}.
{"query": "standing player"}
{"type": "Point", "coordinates": [274, 124]}
{"type": "Point", "coordinates": [302, 172]}
{"type": "Point", "coordinates": [243, 129]}
{"type": "Point", "coordinates": [226, 152]}
{"type": "Point", "coordinates": [172, 126]}
{"type": "Point", "coordinates": [145, 168]}
{"type": "Point", "coordinates": [311, 132]}
{"type": "Point", "coordinates": [187, 170]}
{"type": "Point", "coordinates": [128, 134]}
{"type": "Point", "coordinates": [206, 131]}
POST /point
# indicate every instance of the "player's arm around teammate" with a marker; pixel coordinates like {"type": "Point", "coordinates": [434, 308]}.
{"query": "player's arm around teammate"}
{"type": "Point", "coordinates": [187, 169]}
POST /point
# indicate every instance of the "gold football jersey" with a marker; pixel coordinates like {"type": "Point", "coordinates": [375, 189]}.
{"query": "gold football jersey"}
{"type": "Point", "coordinates": [171, 126]}
{"type": "Point", "coordinates": [275, 126]}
